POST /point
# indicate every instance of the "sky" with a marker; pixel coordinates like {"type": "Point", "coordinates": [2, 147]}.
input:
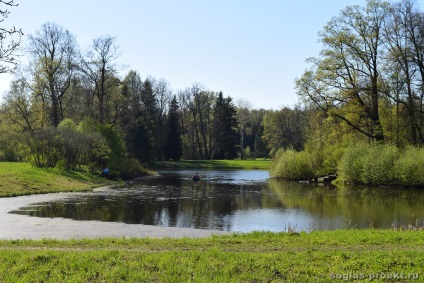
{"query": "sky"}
{"type": "Point", "coordinates": [249, 49]}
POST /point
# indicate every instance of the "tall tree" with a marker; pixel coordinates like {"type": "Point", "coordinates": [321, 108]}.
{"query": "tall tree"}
{"type": "Point", "coordinates": [147, 131]}
{"type": "Point", "coordinates": [100, 68]}
{"type": "Point", "coordinates": [174, 146]}
{"type": "Point", "coordinates": [284, 128]}
{"type": "Point", "coordinates": [345, 82]}
{"type": "Point", "coordinates": [198, 103]}
{"type": "Point", "coordinates": [10, 39]}
{"type": "Point", "coordinates": [163, 97]}
{"type": "Point", "coordinates": [243, 113]}
{"type": "Point", "coordinates": [225, 128]}
{"type": "Point", "coordinates": [404, 35]}
{"type": "Point", "coordinates": [53, 51]}
{"type": "Point", "coordinates": [132, 87]}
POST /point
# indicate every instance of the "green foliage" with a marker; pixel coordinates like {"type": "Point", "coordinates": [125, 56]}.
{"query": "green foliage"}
{"type": "Point", "coordinates": [293, 165]}
{"type": "Point", "coordinates": [382, 165]}
{"type": "Point", "coordinates": [117, 146]}
{"type": "Point", "coordinates": [409, 167]}
{"type": "Point", "coordinates": [96, 151]}
{"type": "Point", "coordinates": [68, 124]}
{"type": "Point", "coordinates": [225, 128]}
{"type": "Point", "coordinates": [378, 165]}
{"type": "Point", "coordinates": [174, 144]}
{"type": "Point", "coordinates": [46, 146]}
{"type": "Point", "coordinates": [12, 146]}
{"type": "Point", "coordinates": [132, 169]}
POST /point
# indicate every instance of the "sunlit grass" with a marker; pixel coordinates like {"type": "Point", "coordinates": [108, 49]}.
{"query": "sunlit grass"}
{"type": "Point", "coordinates": [255, 257]}
{"type": "Point", "coordinates": [20, 178]}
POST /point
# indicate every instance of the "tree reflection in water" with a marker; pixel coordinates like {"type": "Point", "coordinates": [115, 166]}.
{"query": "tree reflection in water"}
{"type": "Point", "coordinates": [239, 200]}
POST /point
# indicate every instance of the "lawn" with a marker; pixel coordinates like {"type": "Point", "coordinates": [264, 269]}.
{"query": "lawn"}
{"type": "Point", "coordinates": [331, 256]}
{"type": "Point", "coordinates": [20, 178]}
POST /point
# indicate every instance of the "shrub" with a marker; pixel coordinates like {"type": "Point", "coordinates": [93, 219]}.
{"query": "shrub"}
{"type": "Point", "coordinates": [378, 165]}
{"type": "Point", "coordinates": [369, 164]}
{"type": "Point", "coordinates": [11, 146]}
{"type": "Point", "coordinates": [351, 165]}
{"type": "Point", "coordinates": [293, 165]}
{"type": "Point", "coordinates": [409, 167]}
{"type": "Point", "coordinates": [46, 146]}
{"type": "Point", "coordinates": [132, 169]}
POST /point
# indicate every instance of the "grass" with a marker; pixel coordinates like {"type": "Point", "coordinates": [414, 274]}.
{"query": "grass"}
{"type": "Point", "coordinates": [212, 164]}
{"type": "Point", "coordinates": [20, 178]}
{"type": "Point", "coordinates": [321, 256]}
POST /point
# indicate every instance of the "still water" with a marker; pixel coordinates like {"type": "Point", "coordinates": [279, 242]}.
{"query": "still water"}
{"type": "Point", "coordinates": [240, 200]}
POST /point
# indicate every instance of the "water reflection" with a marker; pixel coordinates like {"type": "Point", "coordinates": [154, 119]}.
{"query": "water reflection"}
{"type": "Point", "coordinates": [239, 200]}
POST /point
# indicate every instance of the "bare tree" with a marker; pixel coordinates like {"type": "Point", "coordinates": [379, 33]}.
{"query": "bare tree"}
{"type": "Point", "coordinates": [54, 53]}
{"type": "Point", "coordinates": [10, 39]}
{"type": "Point", "coordinates": [100, 68]}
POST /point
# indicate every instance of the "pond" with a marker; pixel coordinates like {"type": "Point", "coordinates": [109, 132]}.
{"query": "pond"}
{"type": "Point", "coordinates": [240, 200]}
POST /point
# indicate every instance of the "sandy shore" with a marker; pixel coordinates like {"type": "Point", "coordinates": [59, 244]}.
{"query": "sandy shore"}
{"type": "Point", "coordinates": [13, 226]}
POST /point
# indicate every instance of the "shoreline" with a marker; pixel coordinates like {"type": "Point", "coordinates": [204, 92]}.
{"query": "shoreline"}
{"type": "Point", "coordinates": [15, 226]}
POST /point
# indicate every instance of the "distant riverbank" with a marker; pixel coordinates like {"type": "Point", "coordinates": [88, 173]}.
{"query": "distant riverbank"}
{"type": "Point", "coordinates": [263, 164]}
{"type": "Point", "coordinates": [20, 178]}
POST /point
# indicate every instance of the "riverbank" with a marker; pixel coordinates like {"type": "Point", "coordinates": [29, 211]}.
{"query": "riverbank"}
{"type": "Point", "coordinates": [20, 178]}
{"type": "Point", "coordinates": [337, 256]}
{"type": "Point", "coordinates": [264, 164]}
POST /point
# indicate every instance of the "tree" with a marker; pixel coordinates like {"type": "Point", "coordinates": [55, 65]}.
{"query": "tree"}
{"type": "Point", "coordinates": [405, 69]}
{"type": "Point", "coordinates": [100, 70]}
{"type": "Point", "coordinates": [163, 97]}
{"type": "Point", "coordinates": [243, 109]}
{"type": "Point", "coordinates": [18, 107]}
{"type": "Point", "coordinates": [225, 128]}
{"type": "Point", "coordinates": [132, 87]}
{"type": "Point", "coordinates": [54, 53]}
{"type": "Point", "coordinates": [174, 146]}
{"type": "Point", "coordinates": [345, 82]}
{"type": "Point", "coordinates": [10, 39]}
{"type": "Point", "coordinates": [284, 128]}
{"type": "Point", "coordinates": [197, 109]}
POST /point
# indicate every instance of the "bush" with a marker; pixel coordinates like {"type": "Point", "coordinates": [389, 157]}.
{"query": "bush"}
{"type": "Point", "coordinates": [11, 146]}
{"type": "Point", "coordinates": [409, 167]}
{"type": "Point", "coordinates": [292, 165]}
{"type": "Point", "coordinates": [378, 165]}
{"type": "Point", "coordinates": [132, 169]}
{"type": "Point", "coordinates": [369, 164]}
{"type": "Point", "coordinates": [46, 146]}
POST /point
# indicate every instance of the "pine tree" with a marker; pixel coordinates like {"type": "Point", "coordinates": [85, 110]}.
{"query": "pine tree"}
{"type": "Point", "coordinates": [174, 145]}
{"type": "Point", "coordinates": [225, 128]}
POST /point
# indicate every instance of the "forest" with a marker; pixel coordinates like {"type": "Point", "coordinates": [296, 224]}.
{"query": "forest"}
{"type": "Point", "coordinates": [80, 108]}
{"type": "Point", "coordinates": [74, 108]}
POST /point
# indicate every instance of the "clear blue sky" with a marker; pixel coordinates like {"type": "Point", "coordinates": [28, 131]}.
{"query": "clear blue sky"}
{"type": "Point", "coordinates": [251, 49]}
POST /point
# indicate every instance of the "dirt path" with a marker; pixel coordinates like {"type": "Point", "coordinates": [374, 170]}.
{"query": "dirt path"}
{"type": "Point", "coordinates": [13, 226]}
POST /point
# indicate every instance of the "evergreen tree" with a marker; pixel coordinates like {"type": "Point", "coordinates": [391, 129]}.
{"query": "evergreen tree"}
{"type": "Point", "coordinates": [174, 145]}
{"type": "Point", "coordinates": [146, 133]}
{"type": "Point", "coordinates": [225, 128]}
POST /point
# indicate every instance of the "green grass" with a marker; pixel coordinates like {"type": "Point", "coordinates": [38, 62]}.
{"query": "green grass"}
{"type": "Point", "coordinates": [256, 257]}
{"type": "Point", "coordinates": [20, 178]}
{"type": "Point", "coordinates": [212, 164]}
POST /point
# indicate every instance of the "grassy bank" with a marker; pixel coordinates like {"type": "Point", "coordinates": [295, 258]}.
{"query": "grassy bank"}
{"type": "Point", "coordinates": [256, 257]}
{"type": "Point", "coordinates": [212, 164]}
{"type": "Point", "coordinates": [19, 178]}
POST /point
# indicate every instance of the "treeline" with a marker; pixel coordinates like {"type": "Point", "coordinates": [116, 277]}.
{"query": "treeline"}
{"type": "Point", "coordinates": [71, 108]}
{"type": "Point", "coordinates": [367, 88]}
